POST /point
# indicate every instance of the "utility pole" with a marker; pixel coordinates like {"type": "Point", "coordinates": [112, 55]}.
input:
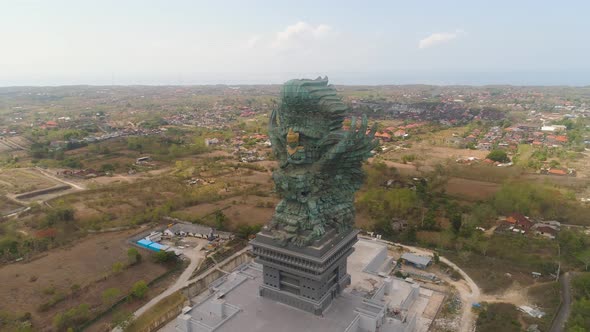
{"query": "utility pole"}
{"type": "Point", "coordinates": [558, 262]}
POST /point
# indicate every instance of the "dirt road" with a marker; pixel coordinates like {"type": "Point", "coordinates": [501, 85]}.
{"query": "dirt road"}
{"type": "Point", "coordinates": [53, 177]}
{"type": "Point", "coordinates": [184, 280]}
{"type": "Point", "coordinates": [467, 288]}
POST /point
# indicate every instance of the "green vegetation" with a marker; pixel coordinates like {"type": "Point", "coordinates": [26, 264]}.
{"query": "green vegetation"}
{"type": "Point", "coordinates": [164, 257]}
{"type": "Point", "coordinates": [411, 211]}
{"type": "Point", "coordinates": [170, 303]}
{"type": "Point", "coordinates": [539, 201]}
{"type": "Point", "coordinates": [133, 256]}
{"type": "Point", "coordinates": [408, 158]}
{"type": "Point", "coordinates": [110, 295]}
{"type": "Point", "coordinates": [55, 227]}
{"type": "Point", "coordinates": [11, 321]}
{"type": "Point", "coordinates": [117, 267]}
{"type": "Point", "coordinates": [167, 149]}
{"type": "Point", "coordinates": [577, 130]}
{"type": "Point", "coordinates": [56, 298]}
{"type": "Point", "coordinates": [548, 156]}
{"type": "Point", "coordinates": [498, 155]}
{"type": "Point", "coordinates": [246, 231]}
{"type": "Point", "coordinates": [575, 248]}
{"type": "Point", "coordinates": [548, 298]}
{"type": "Point", "coordinates": [579, 320]}
{"type": "Point", "coordinates": [220, 220]}
{"type": "Point", "coordinates": [72, 318]}
{"type": "Point", "coordinates": [496, 317]}
{"type": "Point", "coordinates": [122, 319]}
{"type": "Point", "coordinates": [139, 289]}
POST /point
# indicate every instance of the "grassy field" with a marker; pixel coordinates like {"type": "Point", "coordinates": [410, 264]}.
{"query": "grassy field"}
{"type": "Point", "coordinates": [7, 205]}
{"type": "Point", "coordinates": [471, 190]}
{"type": "Point", "coordinates": [547, 298]}
{"type": "Point", "coordinates": [239, 210]}
{"type": "Point", "coordinates": [17, 181]}
{"type": "Point", "coordinates": [70, 276]}
{"type": "Point", "coordinates": [495, 317]}
{"type": "Point", "coordinates": [167, 304]}
{"type": "Point", "coordinates": [509, 258]}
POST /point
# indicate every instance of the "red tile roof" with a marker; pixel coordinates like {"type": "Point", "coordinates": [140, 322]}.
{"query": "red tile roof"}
{"type": "Point", "coordinates": [382, 135]}
{"type": "Point", "coordinates": [556, 171]}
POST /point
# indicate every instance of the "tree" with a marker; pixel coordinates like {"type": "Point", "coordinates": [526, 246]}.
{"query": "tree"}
{"type": "Point", "coordinates": [429, 221]}
{"type": "Point", "coordinates": [122, 319]}
{"type": "Point", "coordinates": [456, 222]}
{"type": "Point", "coordinates": [220, 220]}
{"type": "Point", "coordinates": [107, 168]}
{"type": "Point", "coordinates": [134, 256]}
{"type": "Point", "coordinates": [164, 256]}
{"type": "Point", "coordinates": [72, 318]}
{"type": "Point", "coordinates": [245, 231]}
{"type": "Point", "coordinates": [58, 215]}
{"type": "Point", "coordinates": [139, 289]}
{"type": "Point", "coordinates": [110, 295]}
{"type": "Point", "coordinates": [117, 267]}
{"type": "Point", "coordinates": [584, 257]}
{"type": "Point", "coordinates": [499, 156]}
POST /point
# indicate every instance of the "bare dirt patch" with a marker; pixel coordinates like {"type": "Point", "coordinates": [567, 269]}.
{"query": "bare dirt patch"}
{"type": "Point", "coordinates": [7, 205]}
{"type": "Point", "coordinates": [250, 210]}
{"type": "Point", "coordinates": [472, 189]}
{"type": "Point", "coordinates": [84, 264]}
{"type": "Point", "coordinates": [17, 181]}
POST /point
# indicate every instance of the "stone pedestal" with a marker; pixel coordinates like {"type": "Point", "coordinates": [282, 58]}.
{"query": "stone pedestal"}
{"type": "Point", "coordinates": [307, 278]}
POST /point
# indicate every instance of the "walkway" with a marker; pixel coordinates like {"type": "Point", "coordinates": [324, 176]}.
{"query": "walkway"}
{"type": "Point", "coordinates": [566, 303]}
{"type": "Point", "coordinates": [195, 255]}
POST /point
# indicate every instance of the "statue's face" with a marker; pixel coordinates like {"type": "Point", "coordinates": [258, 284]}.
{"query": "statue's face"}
{"type": "Point", "coordinates": [293, 139]}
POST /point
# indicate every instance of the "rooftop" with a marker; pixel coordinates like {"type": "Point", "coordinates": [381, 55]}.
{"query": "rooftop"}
{"type": "Point", "coordinates": [416, 259]}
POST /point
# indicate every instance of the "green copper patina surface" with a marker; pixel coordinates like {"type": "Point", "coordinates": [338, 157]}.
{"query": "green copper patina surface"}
{"type": "Point", "coordinates": [320, 162]}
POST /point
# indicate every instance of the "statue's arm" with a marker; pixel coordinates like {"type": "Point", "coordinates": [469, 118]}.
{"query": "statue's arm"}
{"type": "Point", "coordinates": [353, 145]}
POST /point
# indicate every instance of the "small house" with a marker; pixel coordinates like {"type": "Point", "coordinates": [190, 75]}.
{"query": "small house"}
{"type": "Point", "coordinates": [546, 231]}
{"type": "Point", "coordinates": [418, 261]}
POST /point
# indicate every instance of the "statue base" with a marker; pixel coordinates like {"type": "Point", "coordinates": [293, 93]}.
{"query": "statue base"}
{"type": "Point", "coordinates": [308, 277]}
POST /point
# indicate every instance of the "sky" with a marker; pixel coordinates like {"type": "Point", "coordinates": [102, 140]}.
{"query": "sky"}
{"type": "Point", "coordinates": [176, 42]}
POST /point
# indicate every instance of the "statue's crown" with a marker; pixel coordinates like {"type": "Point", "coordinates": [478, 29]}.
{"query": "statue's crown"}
{"type": "Point", "coordinates": [310, 107]}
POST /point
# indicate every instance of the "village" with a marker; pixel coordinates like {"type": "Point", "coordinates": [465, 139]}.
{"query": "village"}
{"type": "Point", "coordinates": [184, 174]}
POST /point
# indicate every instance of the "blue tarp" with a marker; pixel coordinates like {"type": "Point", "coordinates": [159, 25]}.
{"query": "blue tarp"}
{"type": "Point", "coordinates": [144, 242]}
{"type": "Point", "coordinates": [156, 246]}
{"type": "Point", "coordinates": [149, 245]}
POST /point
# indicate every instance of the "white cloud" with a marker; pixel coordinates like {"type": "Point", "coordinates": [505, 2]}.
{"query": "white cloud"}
{"type": "Point", "coordinates": [438, 38]}
{"type": "Point", "coordinates": [298, 34]}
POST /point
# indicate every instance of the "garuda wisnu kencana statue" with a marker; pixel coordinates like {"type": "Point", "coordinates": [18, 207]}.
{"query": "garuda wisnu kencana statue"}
{"type": "Point", "coordinates": [319, 162]}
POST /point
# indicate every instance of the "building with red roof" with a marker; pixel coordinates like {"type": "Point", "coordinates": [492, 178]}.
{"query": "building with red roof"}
{"type": "Point", "coordinates": [383, 136]}
{"type": "Point", "coordinates": [561, 138]}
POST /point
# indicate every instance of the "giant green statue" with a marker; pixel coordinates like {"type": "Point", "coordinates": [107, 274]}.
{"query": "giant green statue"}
{"type": "Point", "coordinates": [319, 162]}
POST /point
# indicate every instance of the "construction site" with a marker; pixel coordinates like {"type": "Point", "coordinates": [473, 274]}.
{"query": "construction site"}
{"type": "Point", "coordinates": [375, 301]}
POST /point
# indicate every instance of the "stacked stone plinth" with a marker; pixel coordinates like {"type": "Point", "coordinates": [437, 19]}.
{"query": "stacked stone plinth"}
{"type": "Point", "coordinates": [308, 278]}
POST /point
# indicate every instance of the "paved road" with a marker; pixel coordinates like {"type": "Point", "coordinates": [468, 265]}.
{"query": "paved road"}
{"type": "Point", "coordinates": [566, 305]}
{"type": "Point", "coordinates": [195, 255]}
